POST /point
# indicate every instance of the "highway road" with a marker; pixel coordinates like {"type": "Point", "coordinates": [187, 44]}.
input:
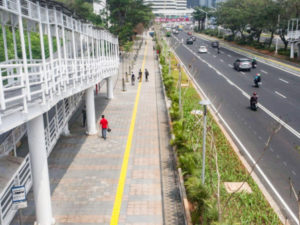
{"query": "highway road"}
{"type": "Point", "coordinates": [279, 99]}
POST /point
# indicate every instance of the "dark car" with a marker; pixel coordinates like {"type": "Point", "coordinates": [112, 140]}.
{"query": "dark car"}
{"type": "Point", "coordinates": [189, 41]}
{"type": "Point", "coordinates": [193, 38]}
{"type": "Point", "coordinates": [242, 64]}
{"type": "Point", "coordinates": [215, 44]}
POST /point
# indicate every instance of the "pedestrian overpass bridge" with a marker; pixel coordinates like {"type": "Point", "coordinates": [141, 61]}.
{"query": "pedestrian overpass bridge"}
{"type": "Point", "coordinates": [51, 60]}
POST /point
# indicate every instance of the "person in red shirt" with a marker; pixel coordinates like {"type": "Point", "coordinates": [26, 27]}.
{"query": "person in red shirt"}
{"type": "Point", "coordinates": [104, 126]}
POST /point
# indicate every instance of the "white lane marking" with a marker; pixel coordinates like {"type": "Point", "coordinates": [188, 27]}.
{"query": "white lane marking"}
{"type": "Point", "coordinates": [229, 55]}
{"type": "Point", "coordinates": [281, 95]}
{"type": "Point", "coordinates": [264, 71]}
{"type": "Point", "coordinates": [285, 163]}
{"type": "Point", "coordinates": [243, 147]}
{"type": "Point", "coordinates": [284, 81]}
{"type": "Point", "coordinates": [230, 65]}
{"type": "Point", "coordinates": [221, 60]}
{"type": "Point", "coordinates": [293, 172]}
{"type": "Point", "coordinates": [243, 73]}
{"type": "Point", "coordinates": [230, 82]}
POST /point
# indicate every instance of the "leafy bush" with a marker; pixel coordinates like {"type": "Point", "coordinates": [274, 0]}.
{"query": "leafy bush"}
{"type": "Point", "coordinates": [285, 52]}
{"type": "Point", "coordinates": [229, 38]}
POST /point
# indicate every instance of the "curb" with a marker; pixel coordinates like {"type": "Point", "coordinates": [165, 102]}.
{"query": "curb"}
{"type": "Point", "coordinates": [280, 65]}
{"type": "Point", "coordinates": [180, 180]}
{"type": "Point", "coordinates": [277, 209]}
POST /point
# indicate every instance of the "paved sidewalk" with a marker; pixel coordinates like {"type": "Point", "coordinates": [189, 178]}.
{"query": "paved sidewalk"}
{"type": "Point", "coordinates": [85, 170]}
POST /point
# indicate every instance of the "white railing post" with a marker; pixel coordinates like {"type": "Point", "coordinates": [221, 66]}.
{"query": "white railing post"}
{"type": "Point", "coordinates": [82, 64]}
{"type": "Point", "coordinates": [58, 46]}
{"type": "Point", "coordinates": [29, 39]}
{"type": "Point", "coordinates": [74, 53]}
{"type": "Point", "coordinates": [51, 69]}
{"type": "Point", "coordinates": [43, 72]}
{"type": "Point", "coordinates": [24, 56]}
{"type": "Point", "coordinates": [65, 61]}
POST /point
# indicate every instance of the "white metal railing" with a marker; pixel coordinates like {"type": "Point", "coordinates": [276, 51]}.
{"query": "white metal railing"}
{"type": "Point", "coordinates": [22, 177]}
{"type": "Point", "coordinates": [10, 142]}
{"type": "Point", "coordinates": [54, 126]}
{"type": "Point", "coordinates": [93, 56]}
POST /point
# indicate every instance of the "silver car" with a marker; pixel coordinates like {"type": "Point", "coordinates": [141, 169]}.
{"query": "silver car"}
{"type": "Point", "coordinates": [242, 64]}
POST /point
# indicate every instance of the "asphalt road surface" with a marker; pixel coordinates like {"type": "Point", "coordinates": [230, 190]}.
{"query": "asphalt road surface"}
{"type": "Point", "coordinates": [279, 98]}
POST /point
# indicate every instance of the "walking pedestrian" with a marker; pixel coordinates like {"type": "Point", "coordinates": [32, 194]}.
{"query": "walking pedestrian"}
{"type": "Point", "coordinates": [132, 78]}
{"type": "Point", "coordinates": [140, 75]}
{"type": "Point", "coordinates": [104, 126]}
{"type": "Point", "coordinates": [83, 116]}
{"type": "Point", "coordinates": [146, 74]}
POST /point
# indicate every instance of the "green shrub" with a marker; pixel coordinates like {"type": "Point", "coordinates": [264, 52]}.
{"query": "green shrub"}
{"type": "Point", "coordinates": [285, 52]}
{"type": "Point", "coordinates": [229, 38]}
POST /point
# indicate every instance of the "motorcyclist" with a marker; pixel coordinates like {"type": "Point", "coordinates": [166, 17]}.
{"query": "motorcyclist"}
{"type": "Point", "coordinates": [257, 79]}
{"type": "Point", "coordinates": [254, 63]}
{"type": "Point", "coordinates": [253, 101]}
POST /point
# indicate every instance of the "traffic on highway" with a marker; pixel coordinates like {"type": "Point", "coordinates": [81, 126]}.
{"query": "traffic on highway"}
{"type": "Point", "coordinates": [228, 80]}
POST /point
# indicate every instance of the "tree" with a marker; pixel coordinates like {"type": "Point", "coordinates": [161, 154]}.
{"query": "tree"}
{"type": "Point", "coordinates": [199, 15]}
{"type": "Point", "coordinates": [84, 9]}
{"type": "Point", "coordinates": [233, 15]}
{"type": "Point", "coordinates": [127, 16]}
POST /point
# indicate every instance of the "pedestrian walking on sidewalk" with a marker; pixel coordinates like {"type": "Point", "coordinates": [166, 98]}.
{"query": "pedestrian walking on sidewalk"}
{"type": "Point", "coordinates": [104, 126]}
{"type": "Point", "coordinates": [83, 116]}
{"type": "Point", "coordinates": [146, 74]}
{"type": "Point", "coordinates": [132, 78]}
{"type": "Point", "coordinates": [140, 75]}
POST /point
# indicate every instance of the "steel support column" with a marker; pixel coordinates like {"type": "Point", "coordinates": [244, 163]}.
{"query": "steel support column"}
{"type": "Point", "coordinates": [39, 166]}
{"type": "Point", "coordinates": [90, 111]}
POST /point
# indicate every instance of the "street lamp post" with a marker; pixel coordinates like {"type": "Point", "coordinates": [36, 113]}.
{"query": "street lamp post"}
{"type": "Point", "coordinates": [205, 103]}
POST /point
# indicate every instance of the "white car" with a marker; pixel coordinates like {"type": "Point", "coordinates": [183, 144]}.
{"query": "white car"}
{"type": "Point", "coordinates": [202, 49]}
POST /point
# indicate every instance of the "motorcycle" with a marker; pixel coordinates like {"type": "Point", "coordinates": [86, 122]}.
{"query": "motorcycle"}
{"type": "Point", "coordinates": [254, 64]}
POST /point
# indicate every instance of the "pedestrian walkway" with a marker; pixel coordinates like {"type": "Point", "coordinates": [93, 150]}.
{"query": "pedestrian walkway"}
{"type": "Point", "coordinates": [86, 172]}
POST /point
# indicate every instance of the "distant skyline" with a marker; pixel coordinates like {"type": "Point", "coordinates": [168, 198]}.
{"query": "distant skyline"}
{"type": "Point", "coordinates": [205, 3]}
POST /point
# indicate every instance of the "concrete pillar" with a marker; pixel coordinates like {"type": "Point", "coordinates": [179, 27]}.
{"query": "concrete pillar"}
{"type": "Point", "coordinates": [292, 50]}
{"type": "Point", "coordinates": [109, 87]}
{"type": "Point", "coordinates": [39, 167]}
{"type": "Point", "coordinates": [90, 111]}
{"type": "Point", "coordinates": [66, 131]}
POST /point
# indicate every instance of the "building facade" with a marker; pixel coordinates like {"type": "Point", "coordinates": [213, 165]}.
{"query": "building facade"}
{"type": "Point", "coordinates": [203, 3]}
{"type": "Point", "coordinates": [99, 6]}
{"type": "Point", "coordinates": [169, 7]}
